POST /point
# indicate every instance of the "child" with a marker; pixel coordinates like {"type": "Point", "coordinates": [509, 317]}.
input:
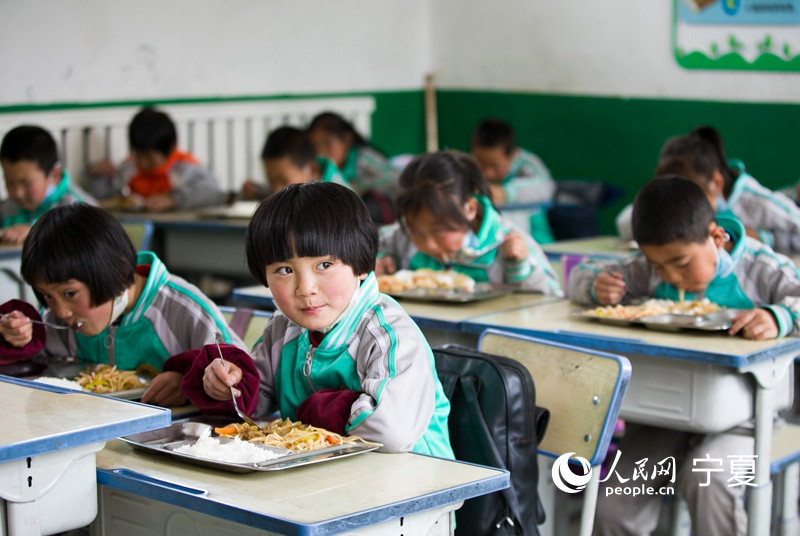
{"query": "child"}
{"type": "Point", "coordinates": [157, 177]}
{"type": "Point", "coordinates": [514, 174]}
{"type": "Point", "coordinates": [448, 220]}
{"type": "Point", "coordinates": [35, 181]}
{"type": "Point", "coordinates": [685, 248]}
{"type": "Point", "coordinates": [288, 158]}
{"type": "Point", "coordinates": [363, 166]}
{"type": "Point", "coordinates": [121, 308]}
{"type": "Point", "coordinates": [770, 216]}
{"type": "Point", "coordinates": [337, 354]}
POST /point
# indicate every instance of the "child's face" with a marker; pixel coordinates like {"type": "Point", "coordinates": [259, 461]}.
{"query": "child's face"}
{"type": "Point", "coordinates": [690, 267]}
{"type": "Point", "coordinates": [149, 159]}
{"type": "Point", "coordinates": [71, 301]}
{"type": "Point", "coordinates": [283, 171]}
{"type": "Point", "coordinates": [493, 161]}
{"type": "Point", "coordinates": [432, 236]}
{"type": "Point", "coordinates": [312, 291]}
{"type": "Point", "coordinates": [27, 184]}
{"type": "Point", "coordinates": [330, 146]}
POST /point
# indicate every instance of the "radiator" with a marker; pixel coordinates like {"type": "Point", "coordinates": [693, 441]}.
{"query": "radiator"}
{"type": "Point", "coordinates": [226, 136]}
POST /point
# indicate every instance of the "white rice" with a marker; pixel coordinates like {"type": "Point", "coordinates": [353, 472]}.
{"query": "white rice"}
{"type": "Point", "coordinates": [236, 451]}
{"type": "Point", "coordinates": [60, 382]}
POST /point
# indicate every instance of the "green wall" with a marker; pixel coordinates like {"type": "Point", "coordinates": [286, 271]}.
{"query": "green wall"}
{"type": "Point", "coordinates": [617, 140]}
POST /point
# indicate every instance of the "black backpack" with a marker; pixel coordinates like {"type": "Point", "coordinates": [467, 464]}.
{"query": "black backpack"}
{"type": "Point", "coordinates": [494, 421]}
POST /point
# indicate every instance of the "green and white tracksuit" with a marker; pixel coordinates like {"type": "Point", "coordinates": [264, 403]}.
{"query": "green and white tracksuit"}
{"type": "Point", "coordinates": [751, 275]}
{"type": "Point", "coordinates": [480, 257]}
{"type": "Point", "coordinates": [170, 317]}
{"type": "Point", "coordinates": [528, 179]}
{"type": "Point", "coordinates": [376, 349]}
{"type": "Point", "coordinates": [64, 193]}
{"type": "Point", "coordinates": [365, 168]}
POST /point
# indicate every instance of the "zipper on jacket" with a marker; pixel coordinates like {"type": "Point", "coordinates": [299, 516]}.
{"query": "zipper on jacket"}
{"type": "Point", "coordinates": [109, 344]}
{"type": "Point", "coordinates": [307, 366]}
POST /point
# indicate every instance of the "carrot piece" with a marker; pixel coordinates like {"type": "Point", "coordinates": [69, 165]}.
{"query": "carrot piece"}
{"type": "Point", "coordinates": [226, 430]}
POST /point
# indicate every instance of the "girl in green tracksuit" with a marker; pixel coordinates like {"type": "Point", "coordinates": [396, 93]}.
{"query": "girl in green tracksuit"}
{"type": "Point", "coordinates": [337, 353]}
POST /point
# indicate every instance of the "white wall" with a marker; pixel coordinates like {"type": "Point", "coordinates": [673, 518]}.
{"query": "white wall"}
{"type": "Point", "coordinates": [107, 50]}
{"type": "Point", "coordinates": [613, 48]}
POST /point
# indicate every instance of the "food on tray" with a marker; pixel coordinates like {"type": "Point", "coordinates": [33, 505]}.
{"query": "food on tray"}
{"type": "Point", "coordinates": [655, 307]}
{"type": "Point", "coordinates": [60, 382]}
{"type": "Point", "coordinates": [236, 451]}
{"type": "Point", "coordinates": [285, 433]}
{"type": "Point", "coordinates": [107, 379]}
{"type": "Point", "coordinates": [425, 278]}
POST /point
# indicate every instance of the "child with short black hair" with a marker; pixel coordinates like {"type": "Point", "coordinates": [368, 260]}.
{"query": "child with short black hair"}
{"type": "Point", "coordinates": [338, 353]}
{"type": "Point", "coordinates": [157, 176]}
{"type": "Point", "coordinates": [35, 181]}
{"type": "Point", "coordinates": [288, 158]}
{"type": "Point", "coordinates": [448, 221]}
{"type": "Point", "coordinates": [685, 248]}
{"type": "Point", "coordinates": [113, 305]}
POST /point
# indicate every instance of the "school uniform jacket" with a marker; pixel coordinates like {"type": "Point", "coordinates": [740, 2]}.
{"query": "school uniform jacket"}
{"type": "Point", "coordinates": [170, 317]}
{"type": "Point", "coordinates": [375, 349]}
{"type": "Point", "coordinates": [483, 261]}
{"type": "Point", "coordinates": [365, 168]}
{"type": "Point", "coordinates": [751, 275]}
{"type": "Point", "coordinates": [528, 179]}
{"type": "Point", "coordinates": [65, 193]}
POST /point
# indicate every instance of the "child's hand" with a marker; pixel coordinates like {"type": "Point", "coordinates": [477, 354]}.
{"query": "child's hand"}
{"type": "Point", "coordinates": [498, 193]}
{"type": "Point", "coordinates": [102, 168]}
{"type": "Point", "coordinates": [514, 247]}
{"type": "Point", "coordinates": [251, 190]}
{"type": "Point", "coordinates": [16, 329]}
{"type": "Point", "coordinates": [165, 390]}
{"type": "Point", "coordinates": [609, 288]}
{"type": "Point", "coordinates": [755, 324]}
{"type": "Point", "coordinates": [219, 378]}
{"type": "Point", "coordinates": [159, 203]}
{"type": "Point", "coordinates": [385, 265]}
{"type": "Point", "coordinates": [15, 234]}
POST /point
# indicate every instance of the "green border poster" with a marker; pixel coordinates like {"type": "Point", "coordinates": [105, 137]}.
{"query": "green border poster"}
{"type": "Point", "coordinates": [759, 35]}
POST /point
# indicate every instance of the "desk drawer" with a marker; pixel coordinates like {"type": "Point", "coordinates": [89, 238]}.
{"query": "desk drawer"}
{"type": "Point", "coordinates": [690, 396]}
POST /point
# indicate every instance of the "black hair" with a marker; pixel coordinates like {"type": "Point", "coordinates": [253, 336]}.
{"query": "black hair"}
{"type": "Point", "coordinates": [30, 142]}
{"type": "Point", "coordinates": [337, 125]}
{"type": "Point", "coordinates": [81, 242]}
{"type": "Point", "coordinates": [311, 219]}
{"type": "Point", "coordinates": [440, 182]}
{"type": "Point", "coordinates": [289, 142]}
{"type": "Point", "coordinates": [152, 130]}
{"type": "Point", "coordinates": [671, 209]}
{"type": "Point", "coordinates": [705, 151]}
{"type": "Point", "coordinates": [494, 133]}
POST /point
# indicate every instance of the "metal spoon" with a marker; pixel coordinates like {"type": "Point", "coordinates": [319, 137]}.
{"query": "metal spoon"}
{"type": "Point", "coordinates": [242, 415]}
{"type": "Point", "coordinates": [34, 321]}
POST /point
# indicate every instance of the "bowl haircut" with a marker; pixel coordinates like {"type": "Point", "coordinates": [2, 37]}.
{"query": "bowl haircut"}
{"type": "Point", "coordinates": [80, 242]}
{"type": "Point", "coordinates": [312, 219]}
{"type": "Point", "coordinates": [671, 209]}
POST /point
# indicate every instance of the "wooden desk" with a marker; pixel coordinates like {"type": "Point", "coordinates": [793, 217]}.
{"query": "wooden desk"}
{"type": "Point", "coordinates": [686, 381]}
{"type": "Point", "coordinates": [348, 495]}
{"type": "Point", "coordinates": [47, 452]}
{"type": "Point", "coordinates": [607, 247]}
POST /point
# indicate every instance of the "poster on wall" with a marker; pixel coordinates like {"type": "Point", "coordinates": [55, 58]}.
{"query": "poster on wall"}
{"type": "Point", "coordinates": [759, 35]}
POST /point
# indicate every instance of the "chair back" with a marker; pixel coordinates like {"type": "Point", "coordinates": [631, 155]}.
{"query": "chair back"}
{"type": "Point", "coordinates": [583, 390]}
{"type": "Point", "coordinates": [140, 232]}
{"type": "Point", "coordinates": [248, 324]}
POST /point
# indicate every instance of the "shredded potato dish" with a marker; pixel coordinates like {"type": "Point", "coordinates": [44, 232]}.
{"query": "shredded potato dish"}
{"type": "Point", "coordinates": [655, 307]}
{"type": "Point", "coordinates": [285, 433]}
{"type": "Point", "coordinates": [107, 379]}
{"type": "Point", "coordinates": [425, 278]}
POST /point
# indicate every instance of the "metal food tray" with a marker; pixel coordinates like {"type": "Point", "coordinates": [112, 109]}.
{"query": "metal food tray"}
{"type": "Point", "coordinates": [166, 440]}
{"type": "Point", "coordinates": [69, 367]}
{"type": "Point", "coordinates": [716, 321]}
{"type": "Point", "coordinates": [482, 291]}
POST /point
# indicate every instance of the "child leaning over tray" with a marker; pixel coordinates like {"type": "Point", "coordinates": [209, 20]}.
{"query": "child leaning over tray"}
{"type": "Point", "coordinates": [337, 354]}
{"type": "Point", "coordinates": [684, 247]}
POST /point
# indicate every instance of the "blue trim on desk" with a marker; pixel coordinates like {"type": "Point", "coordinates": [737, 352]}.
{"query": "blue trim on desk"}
{"type": "Point", "coordinates": [242, 298]}
{"type": "Point", "coordinates": [97, 434]}
{"type": "Point", "coordinates": [202, 224]}
{"type": "Point", "coordinates": [197, 501]}
{"type": "Point", "coordinates": [10, 253]}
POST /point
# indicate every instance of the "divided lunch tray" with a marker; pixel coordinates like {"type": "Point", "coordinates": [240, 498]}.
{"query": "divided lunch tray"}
{"type": "Point", "coordinates": [716, 321]}
{"type": "Point", "coordinates": [482, 291]}
{"type": "Point", "coordinates": [166, 440]}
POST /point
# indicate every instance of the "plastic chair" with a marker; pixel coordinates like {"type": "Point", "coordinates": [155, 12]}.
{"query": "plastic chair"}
{"type": "Point", "coordinates": [140, 232]}
{"type": "Point", "coordinates": [246, 323]}
{"type": "Point", "coordinates": [573, 213]}
{"type": "Point", "coordinates": [583, 390]}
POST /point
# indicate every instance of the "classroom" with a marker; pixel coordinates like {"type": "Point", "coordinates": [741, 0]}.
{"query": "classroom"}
{"type": "Point", "coordinates": [671, 421]}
